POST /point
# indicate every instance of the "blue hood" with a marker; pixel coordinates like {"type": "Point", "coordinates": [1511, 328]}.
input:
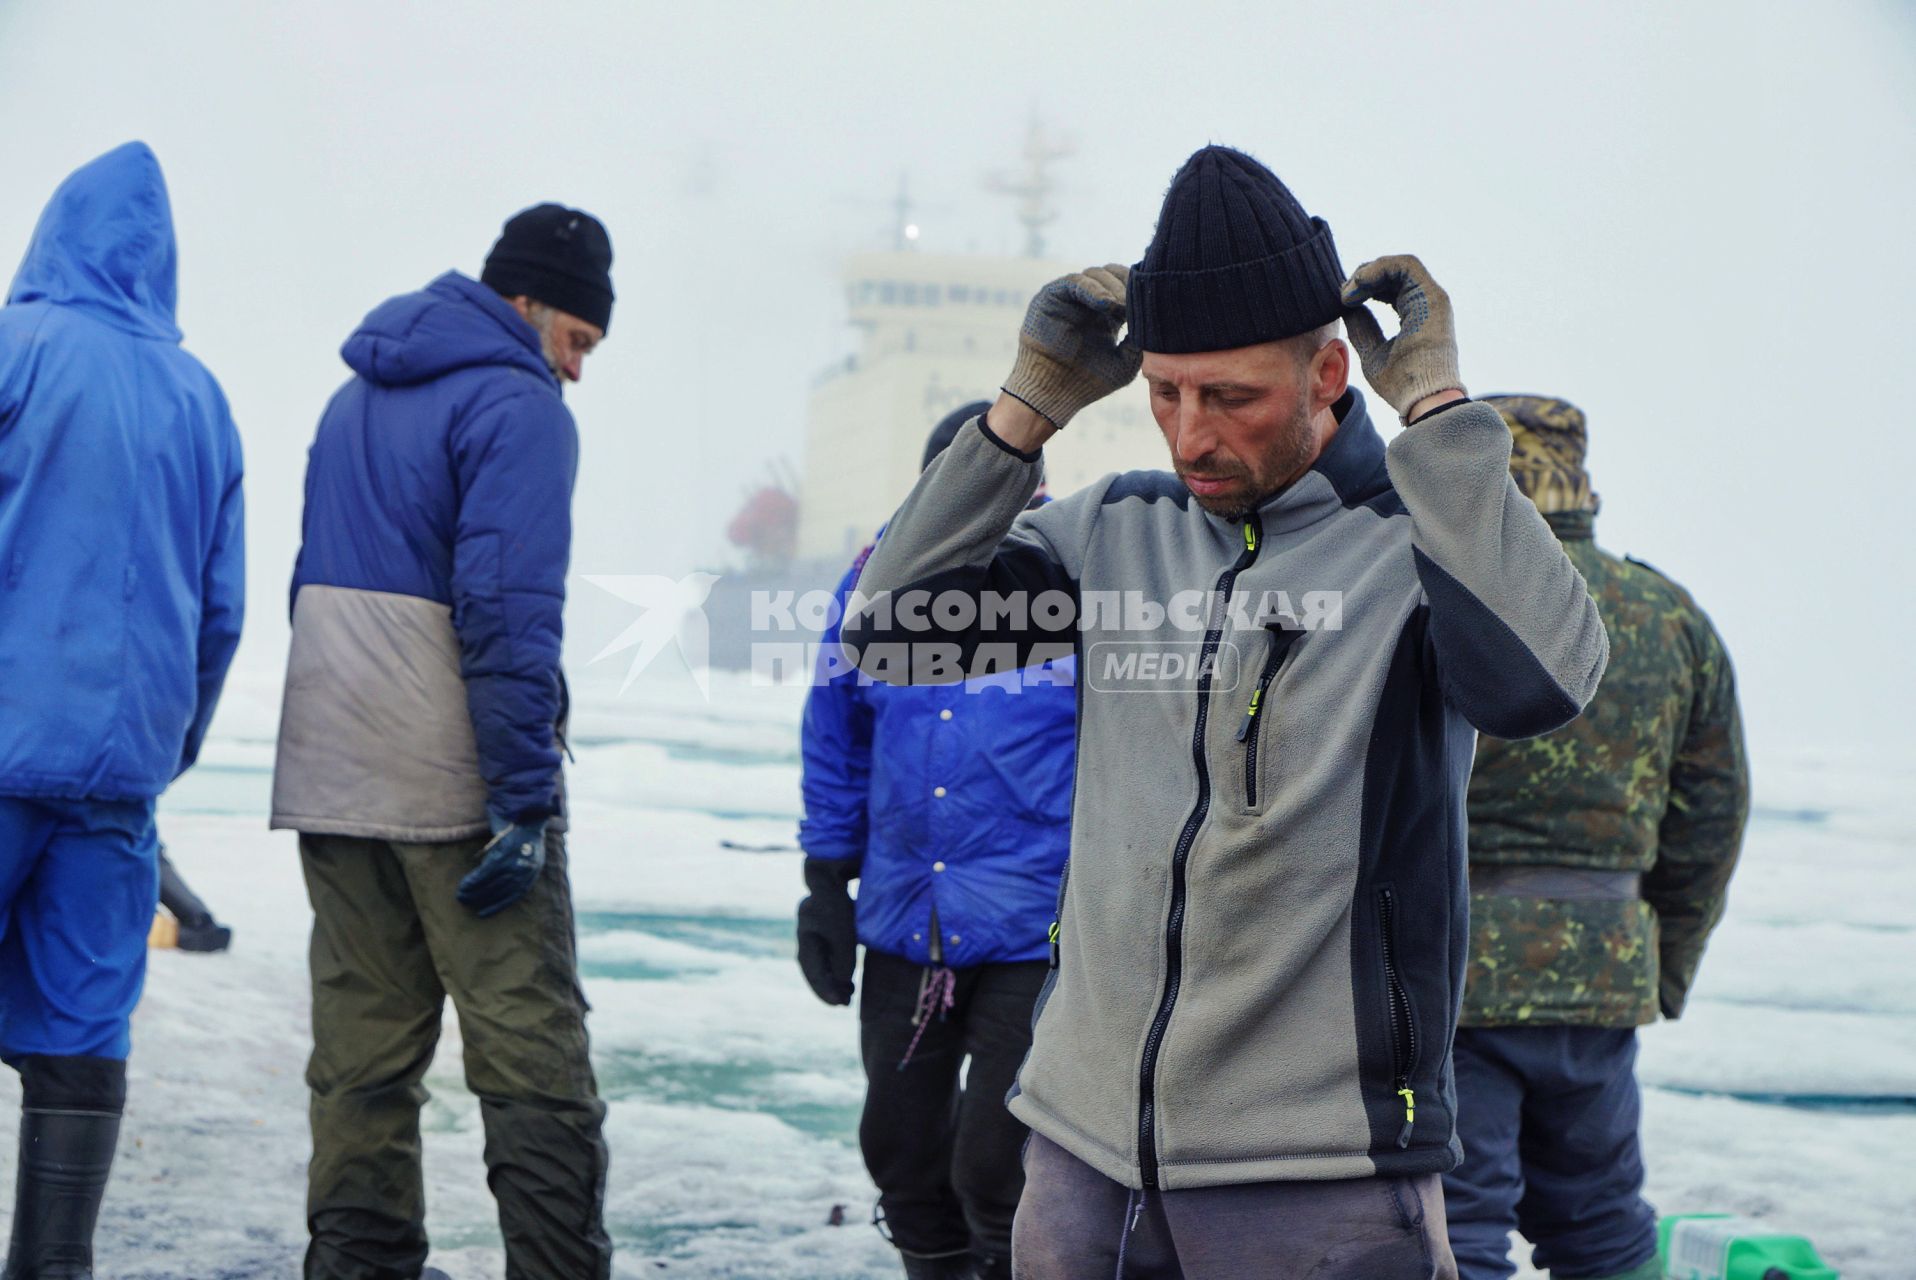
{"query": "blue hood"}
{"type": "Point", "coordinates": [105, 245]}
{"type": "Point", "coordinates": [453, 323]}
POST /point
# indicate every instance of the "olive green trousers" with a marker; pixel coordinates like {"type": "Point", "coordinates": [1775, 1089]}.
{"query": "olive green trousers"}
{"type": "Point", "coordinates": [390, 943]}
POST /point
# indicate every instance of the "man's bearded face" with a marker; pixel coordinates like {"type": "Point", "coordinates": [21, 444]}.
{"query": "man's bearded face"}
{"type": "Point", "coordinates": [564, 339]}
{"type": "Point", "coordinates": [1238, 423]}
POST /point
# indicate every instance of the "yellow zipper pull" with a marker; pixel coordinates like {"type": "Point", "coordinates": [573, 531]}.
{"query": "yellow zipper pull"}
{"type": "Point", "coordinates": [1410, 1115]}
{"type": "Point", "coordinates": [1250, 537]}
{"type": "Point", "coordinates": [1250, 714]}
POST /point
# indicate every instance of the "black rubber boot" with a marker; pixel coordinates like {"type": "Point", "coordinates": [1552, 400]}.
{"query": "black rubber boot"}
{"type": "Point", "coordinates": [69, 1127]}
{"type": "Point", "coordinates": [947, 1266]}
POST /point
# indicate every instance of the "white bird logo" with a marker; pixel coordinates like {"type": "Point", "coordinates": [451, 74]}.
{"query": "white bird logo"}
{"type": "Point", "coordinates": [674, 612]}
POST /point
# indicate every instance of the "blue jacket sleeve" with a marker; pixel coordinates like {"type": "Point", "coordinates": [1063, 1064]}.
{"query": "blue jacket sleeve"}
{"type": "Point", "coordinates": [222, 599]}
{"type": "Point", "coordinates": [836, 748]}
{"type": "Point", "coordinates": [515, 462]}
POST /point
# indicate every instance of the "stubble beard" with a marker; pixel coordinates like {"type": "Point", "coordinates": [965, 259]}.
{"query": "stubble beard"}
{"type": "Point", "coordinates": [1291, 451]}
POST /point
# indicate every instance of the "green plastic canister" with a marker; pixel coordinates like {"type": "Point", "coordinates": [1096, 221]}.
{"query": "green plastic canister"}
{"type": "Point", "coordinates": [1721, 1246]}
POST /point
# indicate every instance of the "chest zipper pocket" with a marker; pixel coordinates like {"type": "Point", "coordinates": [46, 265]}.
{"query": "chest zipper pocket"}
{"type": "Point", "coordinates": [1403, 1028]}
{"type": "Point", "coordinates": [1250, 727]}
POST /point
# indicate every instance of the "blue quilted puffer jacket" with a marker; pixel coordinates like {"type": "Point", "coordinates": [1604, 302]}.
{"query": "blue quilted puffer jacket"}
{"type": "Point", "coordinates": [423, 687]}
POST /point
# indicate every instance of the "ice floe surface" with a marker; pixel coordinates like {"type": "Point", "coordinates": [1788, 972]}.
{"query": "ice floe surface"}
{"type": "Point", "coordinates": [1788, 1091]}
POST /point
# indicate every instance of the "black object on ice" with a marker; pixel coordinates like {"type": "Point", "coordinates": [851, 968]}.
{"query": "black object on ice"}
{"type": "Point", "coordinates": [198, 930]}
{"type": "Point", "coordinates": [205, 936]}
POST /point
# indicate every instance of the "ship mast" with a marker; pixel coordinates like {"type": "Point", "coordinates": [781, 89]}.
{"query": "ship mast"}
{"type": "Point", "coordinates": [1033, 185]}
{"type": "Point", "coordinates": [904, 234]}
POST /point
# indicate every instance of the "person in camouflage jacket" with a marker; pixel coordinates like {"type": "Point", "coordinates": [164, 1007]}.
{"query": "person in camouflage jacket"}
{"type": "Point", "coordinates": [1600, 859]}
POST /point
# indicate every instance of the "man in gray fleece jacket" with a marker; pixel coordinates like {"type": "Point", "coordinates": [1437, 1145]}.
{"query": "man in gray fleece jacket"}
{"type": "Point", "coordinates": [1241, 1062]}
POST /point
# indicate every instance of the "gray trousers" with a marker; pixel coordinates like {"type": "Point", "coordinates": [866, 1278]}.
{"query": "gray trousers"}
{"type": "Point", "coordinates": [1076, 1224]}
{"type": "Point", "coordinates": [390, 944]}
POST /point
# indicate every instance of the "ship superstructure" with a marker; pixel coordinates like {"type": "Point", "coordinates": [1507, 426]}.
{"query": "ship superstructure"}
{"type": "Point", "coordinates": [939, 330]}
{"type": "Point", "coordinates": [935, 331]}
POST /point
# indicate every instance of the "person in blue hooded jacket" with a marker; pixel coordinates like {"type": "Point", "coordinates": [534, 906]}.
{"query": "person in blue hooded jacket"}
{"type": "Point", "coordinates": [122, 584]}
{"type": "Point", "coordinates": [419, 757]}
{"type": "Point", "coordinates": [951, 806]}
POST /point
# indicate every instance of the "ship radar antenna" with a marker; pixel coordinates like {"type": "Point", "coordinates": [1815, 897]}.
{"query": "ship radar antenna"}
{"type": "Point", "coordinates": [1032, 185]}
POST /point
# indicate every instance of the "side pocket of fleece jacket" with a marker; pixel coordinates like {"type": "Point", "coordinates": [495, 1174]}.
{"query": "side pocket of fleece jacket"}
{"type": "Point", "coordinates": [1400, 1013]}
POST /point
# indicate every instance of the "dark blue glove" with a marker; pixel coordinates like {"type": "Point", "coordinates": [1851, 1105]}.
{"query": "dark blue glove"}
{"type": "Point", "coordinates": [828, 929]}
{"type": "Point", "coordinates": [507, 870]}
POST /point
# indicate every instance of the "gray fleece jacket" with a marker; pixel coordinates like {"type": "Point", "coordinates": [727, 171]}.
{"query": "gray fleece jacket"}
{"type": "Point", "coordinates": [1262, 932]}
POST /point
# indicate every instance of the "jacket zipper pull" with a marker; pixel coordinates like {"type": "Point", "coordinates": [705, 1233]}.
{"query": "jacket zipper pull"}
{"type": "Point", "coordinates": [1053, 935]}
{"type": "Point", "coordinates": [1250, 536]}
{"type": "Point", "coordinates": [1250, 714]}
{"type": "Point", "coordinates": [1410, 1115]}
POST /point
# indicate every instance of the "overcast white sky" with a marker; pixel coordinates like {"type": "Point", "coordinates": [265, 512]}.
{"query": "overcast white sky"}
{"type": "Point", "coordinates": [1693, 220]}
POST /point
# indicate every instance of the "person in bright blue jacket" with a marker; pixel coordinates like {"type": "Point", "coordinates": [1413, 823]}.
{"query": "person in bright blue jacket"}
{"type": "Point", "coordinates": [951, 806]}
{"type": "Point", "coordinates": [419, 756]}
{"type": "Point", "coordinates": [122, 585]}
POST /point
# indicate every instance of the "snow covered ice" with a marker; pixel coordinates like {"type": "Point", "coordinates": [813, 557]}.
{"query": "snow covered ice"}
{"type": "Point", "coordinates": [1788, 1092]}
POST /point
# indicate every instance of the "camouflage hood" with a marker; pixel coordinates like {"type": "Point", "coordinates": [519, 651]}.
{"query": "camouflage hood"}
{"type": "Point", "coordinates": [1546, 458]}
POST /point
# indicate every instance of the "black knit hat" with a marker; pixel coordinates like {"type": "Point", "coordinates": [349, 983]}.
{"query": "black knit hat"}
{"type": "Point", "coordinates": [1235, 261]}
{"type": "Point", "coordinates": [947, 429]}
{"type": "Point", "coordinates": [555, 255]}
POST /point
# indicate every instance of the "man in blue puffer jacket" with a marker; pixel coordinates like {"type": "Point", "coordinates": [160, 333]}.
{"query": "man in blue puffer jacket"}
{"type": "Point", "coordinates": [122, 584]}
{"type": "Point", "coordinates": [419, 757]}
{"type": "Point", "coordinates": [951, 805]}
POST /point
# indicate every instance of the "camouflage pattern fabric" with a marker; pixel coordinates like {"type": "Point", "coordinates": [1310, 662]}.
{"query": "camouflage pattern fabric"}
{"type": "Point", "coordinates": [1548, 441]}
{"type": "Point", "coordinates": [1651, 778]}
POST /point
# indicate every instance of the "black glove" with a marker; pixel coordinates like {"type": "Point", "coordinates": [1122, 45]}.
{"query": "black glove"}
{"type": "Point", "coordinates": [827, 932]}
{"type": "Point", "coordinates": [508, 869]}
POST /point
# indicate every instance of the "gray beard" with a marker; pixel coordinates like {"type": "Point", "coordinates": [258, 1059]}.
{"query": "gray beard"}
{"type": "Point", "coordinates": [541, 318]}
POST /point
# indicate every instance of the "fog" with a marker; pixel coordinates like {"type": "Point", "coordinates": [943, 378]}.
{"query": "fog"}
{"type": "Point", "coordinates": [1691, 220]}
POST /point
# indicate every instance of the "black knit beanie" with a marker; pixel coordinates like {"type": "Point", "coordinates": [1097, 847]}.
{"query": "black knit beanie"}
{"type": "Point", "coordinates": [947, 429]}
{"type": "Point", "coordinates": [555, 255]}
{"type": "Point", "coordinates": [1235, 261]}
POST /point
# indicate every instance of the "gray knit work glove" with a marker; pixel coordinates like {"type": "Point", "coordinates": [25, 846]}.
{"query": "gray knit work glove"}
{"type": "Point", "coordinates": [1069, 355]}
{"type": "Point", "coordinates": [1422, 359]}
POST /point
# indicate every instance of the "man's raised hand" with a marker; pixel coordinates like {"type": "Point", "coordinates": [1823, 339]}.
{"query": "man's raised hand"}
{"type": "Point", "coordinates": [1069, 354]}
{"type": "Point", "coordinates": [1421, 360]}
